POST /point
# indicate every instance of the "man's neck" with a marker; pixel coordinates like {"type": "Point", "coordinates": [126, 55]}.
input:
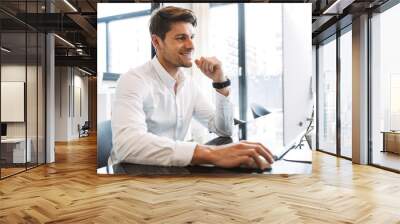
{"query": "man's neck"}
{"type": "Point", "coordinates": [172, 70]}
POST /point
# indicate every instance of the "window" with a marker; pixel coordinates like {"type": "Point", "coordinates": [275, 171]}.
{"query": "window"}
{"type": "Point", "coordinates": [346, 94]}
{"type": "Point", "coordinates": [101, 50]}
{"type": "Point", "coordinates": [123, 43]}
{"type": "Point", "coordinates": [327, 96]}
{"type": "Point", "coordinates": [264, 56]}
{"type": "Point", "coordinates": [129, 43]}
{"type": "Point", "coordinates": [385, 88]}
{"type": "Point", "coordinates": [112, 9]}
{"type": "Point", "coordinates": [223, 43]}
{"type": "Point", "coordinates": [263, 51]}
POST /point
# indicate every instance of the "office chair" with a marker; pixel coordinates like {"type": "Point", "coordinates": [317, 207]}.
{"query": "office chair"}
{"type": "Point", "coordinates": [104, 143]}
{"type": "Point", "coordinates": [84, 130]}
{"type": "Point", "coordinates": [258, 110]}
{"type": "Point", "coordinates": [238, 121]}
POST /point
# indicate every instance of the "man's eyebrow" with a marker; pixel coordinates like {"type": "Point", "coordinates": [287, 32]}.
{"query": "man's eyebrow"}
{"type": "Point", "coordinates": [181, 34]}
{"type": "Point", "coordinates": [184, 34]}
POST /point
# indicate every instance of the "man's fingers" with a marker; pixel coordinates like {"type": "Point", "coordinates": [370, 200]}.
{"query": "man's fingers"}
{"type": "Point", "coordinates": [206, 65]}
{"type": "Point", "coordinates": [259, 150]}
{"type": "Point", "coordinates": [263, 148]}
{"type": "Point", "coordinates": [244, 160]}
{"type": "Point", "coordinates": [253, 154]}
{"type": "Point", "coordinates": [197, 62]}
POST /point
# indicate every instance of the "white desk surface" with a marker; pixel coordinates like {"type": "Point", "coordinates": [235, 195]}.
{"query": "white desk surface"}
{"type": "Point", "coordinates": [13, 140]}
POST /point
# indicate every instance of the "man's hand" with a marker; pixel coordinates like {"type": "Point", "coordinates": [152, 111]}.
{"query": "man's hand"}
{"type": "Point", "coordinates": [212, 68]}
{"type": "Point", "coordinates": [233, 155]}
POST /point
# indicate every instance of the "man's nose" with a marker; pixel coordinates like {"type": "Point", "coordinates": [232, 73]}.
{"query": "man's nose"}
{"type": "Point", "coordinates": [189, 44]}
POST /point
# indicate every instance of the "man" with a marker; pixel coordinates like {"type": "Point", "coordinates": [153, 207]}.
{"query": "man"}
{"type": "Point", "coordinates": [155, 102]}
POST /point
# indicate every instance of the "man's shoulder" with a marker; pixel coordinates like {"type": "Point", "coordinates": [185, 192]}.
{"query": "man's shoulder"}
{"type": "Point", "coordinates": [136, 79]}
{"type": "Point", "coordinates": [143, 71]}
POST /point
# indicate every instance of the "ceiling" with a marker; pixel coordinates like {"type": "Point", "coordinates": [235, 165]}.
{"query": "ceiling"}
{"type": "Point", "coordinates": [76, 23]}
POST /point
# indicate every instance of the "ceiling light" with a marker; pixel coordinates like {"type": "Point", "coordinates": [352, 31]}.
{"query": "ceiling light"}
{"type": "Point", "coordinates": [5, 50]}
{"type": "Point", "coordinates": [70, 5]}
{"type": "Point", "coordinates": [64, 40]}
{"type": "Point", "coordinates": [337, 7]}
{"type": "Point", "coordinates": [84, 71]}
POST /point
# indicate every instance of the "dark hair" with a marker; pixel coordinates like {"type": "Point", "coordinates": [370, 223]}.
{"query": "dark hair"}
{"type": "Point", "coordinates": [161, 20]}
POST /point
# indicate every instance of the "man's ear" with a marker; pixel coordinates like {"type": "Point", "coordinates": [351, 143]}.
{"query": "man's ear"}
{"type": "Point", "coordinates": [156, 41]}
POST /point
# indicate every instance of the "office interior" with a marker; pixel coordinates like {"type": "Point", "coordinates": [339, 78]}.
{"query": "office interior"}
{"type": "Point", "coordinates": [51, 101]}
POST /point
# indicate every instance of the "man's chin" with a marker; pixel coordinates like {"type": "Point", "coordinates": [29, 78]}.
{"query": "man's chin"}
{"type": "Point", "coordinates": [187, 64]}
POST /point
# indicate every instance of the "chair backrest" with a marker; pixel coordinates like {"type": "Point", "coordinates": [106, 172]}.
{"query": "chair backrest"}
{"type": "Point", "coordinates": [258, 110]}
{"type": "Point", "coordinates": [86, 124]}
{"type": "Point", "coordinates": [238, 121]}
{"type": "Point", "coordinates": [104, 143]}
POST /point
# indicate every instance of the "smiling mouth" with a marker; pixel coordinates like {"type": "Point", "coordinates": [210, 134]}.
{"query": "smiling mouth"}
{"type": "Point", "coordinates": [187, 55]}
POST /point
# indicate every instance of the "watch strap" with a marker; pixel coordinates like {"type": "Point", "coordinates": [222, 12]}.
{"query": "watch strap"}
{"type": "Point", "coordinates": [221, 85]}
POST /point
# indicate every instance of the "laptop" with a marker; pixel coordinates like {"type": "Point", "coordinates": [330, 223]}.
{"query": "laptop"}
{"type": "Point", "coordinates": [265, 131]}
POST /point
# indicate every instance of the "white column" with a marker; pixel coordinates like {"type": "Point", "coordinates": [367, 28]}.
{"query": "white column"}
{"type": "Point", "coordinates": [360, 90]}
{"type": "Point", "coordinates": [50, 100]}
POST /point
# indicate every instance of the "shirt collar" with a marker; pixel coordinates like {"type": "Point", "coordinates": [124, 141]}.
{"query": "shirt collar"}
{"type": "Point", "coordinates": [165, 77]}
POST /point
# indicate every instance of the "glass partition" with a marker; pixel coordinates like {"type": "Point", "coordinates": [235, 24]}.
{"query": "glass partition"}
{"type": "Point", "coordinates": [41, 97]}
{"type": "Point", "coordinates": [14, 151]}
{"type": "Point", "coordinates": [31, 98]}
{"type": "Point", "coordinates": [22, 91]}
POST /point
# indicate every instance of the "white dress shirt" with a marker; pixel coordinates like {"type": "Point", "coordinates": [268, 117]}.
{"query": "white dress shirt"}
{"type": "Point", "coordinates": [149, 121]}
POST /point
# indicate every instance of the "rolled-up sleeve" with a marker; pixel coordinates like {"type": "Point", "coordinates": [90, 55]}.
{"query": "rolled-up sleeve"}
{"type": "Point", "coordinates": [218, 120]}
{"type": "Point", "coordinates": [132, 142]}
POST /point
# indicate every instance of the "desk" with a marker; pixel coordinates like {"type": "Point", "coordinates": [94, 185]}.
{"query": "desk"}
{"type": "Point", "coordinates": [391, 141]}
{"type": "Point", "coordinates": [253, 131]}
{"type": "Point", "coordinates": [13, 150]}
{"type": "Point", "coordinates": [279, 167]}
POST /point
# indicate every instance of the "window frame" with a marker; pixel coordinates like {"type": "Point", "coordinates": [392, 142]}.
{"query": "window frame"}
{"type": "Point", "coordinates": [108, 19]}
{"type": "Point", "coordinates": [333, 37]}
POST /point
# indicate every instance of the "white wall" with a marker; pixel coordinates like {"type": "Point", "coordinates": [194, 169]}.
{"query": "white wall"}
{"type": "Point", "coordinates": [69, 82]}
{"type": "Point", "coordinates": [33, 127]}
{"type": "Point", "coordinates": [12, 73]}
{"type": "Point", "coordinates": [297, 71]}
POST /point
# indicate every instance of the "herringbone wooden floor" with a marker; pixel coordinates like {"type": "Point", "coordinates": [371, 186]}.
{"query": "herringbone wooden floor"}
{"type": "Point", "coordinates": [69, 191]}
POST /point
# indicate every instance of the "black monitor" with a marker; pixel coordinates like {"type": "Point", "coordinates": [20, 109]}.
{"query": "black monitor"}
{"type": "Point", "coordinates": [3, 129]}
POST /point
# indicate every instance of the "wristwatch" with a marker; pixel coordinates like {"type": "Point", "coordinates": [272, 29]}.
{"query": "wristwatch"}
{"type": "Point", "coordinates": [221, 85]}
